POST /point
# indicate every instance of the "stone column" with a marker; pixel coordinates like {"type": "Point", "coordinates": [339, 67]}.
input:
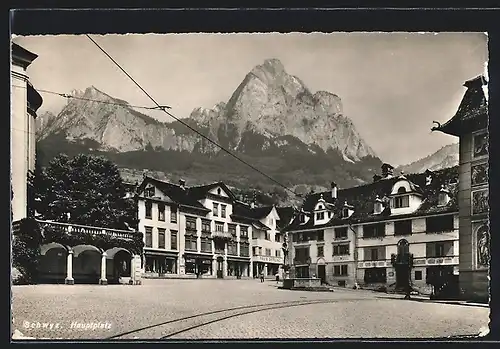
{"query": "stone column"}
{"type": "Point", "coordinates": [103, 280]}
{"type": "Point", "coordinates": [265, 270]}
{"type": "Point", "coordinates": [132, 270]}
{"type": "Point", "coordinates": [69, 269]}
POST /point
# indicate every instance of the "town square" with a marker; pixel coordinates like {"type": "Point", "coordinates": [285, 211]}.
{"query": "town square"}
{"type": "Point", "coordinates": [300, 205]}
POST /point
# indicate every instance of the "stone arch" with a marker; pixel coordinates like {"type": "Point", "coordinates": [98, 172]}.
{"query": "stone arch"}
{"type": "Point", "coordinates": [77, 250]}
{"type": "Point", "coordinates": [320, 261]}
{"type": "Point", "coordinates": [118, 264]}
{"type": "Point", "coordinates": [46, 247]}
{"type": "Point", "coordinates": [86, 263]}
{"type": "Point", "coordinates": [53, 262]}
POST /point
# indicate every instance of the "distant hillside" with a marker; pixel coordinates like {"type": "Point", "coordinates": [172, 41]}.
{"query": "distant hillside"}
{"type": "Point", "coordinates": [445, 157]}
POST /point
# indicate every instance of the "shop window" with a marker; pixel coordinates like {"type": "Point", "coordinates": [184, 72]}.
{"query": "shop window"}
{"type": "Point", "coordinates": [375, 275]}
{"type": "Point", "coordinates": [418, 275]}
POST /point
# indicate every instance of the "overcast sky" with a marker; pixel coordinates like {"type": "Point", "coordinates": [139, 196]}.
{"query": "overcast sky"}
{"type": "Point", "coordinates": [392, 85]}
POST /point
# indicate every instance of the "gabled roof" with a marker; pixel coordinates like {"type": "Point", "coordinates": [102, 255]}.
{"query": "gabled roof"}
{"type": "Point", "coordinates": [286, 214]}
{"type": "Point", "coordinates": [472, 114]}
{"type": "Point", "coordinates": [200, 192]}
{"type": "Point", "coordinates": [363, 198]}
{"type": "Point", "coordinates": [175, 192]}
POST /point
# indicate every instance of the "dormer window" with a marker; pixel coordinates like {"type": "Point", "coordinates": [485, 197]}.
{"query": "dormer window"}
{"type": "Point", "coordinates": [320, 216]}
{"type": "Point", "coordinates": [402, 201]}
{"type": "Point", "coordinates": [330, 215]}
{"type": "Point", "coordinates": [320, 207]}
{"type": "Point", "coordinates": [345, 212]}
{"type": "Point", "coordinates": [401, 190]}
{"type": "Point", "coordinates": [302, 218]}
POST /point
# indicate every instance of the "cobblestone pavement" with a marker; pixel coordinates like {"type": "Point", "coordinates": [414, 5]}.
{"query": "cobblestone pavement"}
{"type": "Point", "coordinates": [149, 311]}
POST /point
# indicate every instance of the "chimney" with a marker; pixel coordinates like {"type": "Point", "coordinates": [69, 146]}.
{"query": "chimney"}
{"type": "Point", "coordinates": [334, 190]}
{"type": "Point", "coordinates": [378, 207]}
{"type": "Point", "coordinates": [376, 178]}
{"type": "Point", "coordinates": [387, 170]}
{"type": "Point", "coordinates": [444, 196]}
{"type": "Point", "coordinates": [182, 183]}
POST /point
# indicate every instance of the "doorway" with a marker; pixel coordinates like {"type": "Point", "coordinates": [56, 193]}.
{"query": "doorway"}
{"type": "Point", "coordinates": [220, 267]}
{"type": "Point", "coordinates": [322, 273]}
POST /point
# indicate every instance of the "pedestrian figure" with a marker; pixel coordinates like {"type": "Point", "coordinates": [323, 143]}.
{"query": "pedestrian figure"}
{"type": "Point", "coordinates": [261, 276]}
{"type": "Point", "coordinates": [277, 277]}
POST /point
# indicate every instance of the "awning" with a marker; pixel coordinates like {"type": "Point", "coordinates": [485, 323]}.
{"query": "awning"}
{"type": "Point", "coordinates": [238, 259]}
{"type": "Point", "coordinates": [167, 254]}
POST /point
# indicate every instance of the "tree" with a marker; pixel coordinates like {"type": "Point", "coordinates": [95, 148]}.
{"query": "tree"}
{"type": "Point", "coordinates": [88, 188]}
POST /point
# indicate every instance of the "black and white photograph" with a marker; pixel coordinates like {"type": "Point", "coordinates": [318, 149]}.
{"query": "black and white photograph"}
{"type": "Point", "coordinates": [249, 186]}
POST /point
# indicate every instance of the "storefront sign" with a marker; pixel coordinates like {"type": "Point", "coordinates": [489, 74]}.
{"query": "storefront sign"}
{"type": "Point", "coordinates": [268, 259]}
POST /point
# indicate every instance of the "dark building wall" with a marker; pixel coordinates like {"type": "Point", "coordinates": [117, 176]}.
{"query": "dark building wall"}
{"type": "Point", "coordinates": [473, 277]}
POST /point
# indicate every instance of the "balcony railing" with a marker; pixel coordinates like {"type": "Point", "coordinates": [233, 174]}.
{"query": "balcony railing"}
{"type": "Point", "coordinates": [77, 229]}
{"type": "Point", "coordinates": [223, 235]}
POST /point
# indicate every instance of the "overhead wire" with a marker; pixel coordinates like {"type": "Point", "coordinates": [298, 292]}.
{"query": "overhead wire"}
{"type": "Point", "coordinates": [70, 96]}
{"type": "Point", "coordinates": [158, 106]}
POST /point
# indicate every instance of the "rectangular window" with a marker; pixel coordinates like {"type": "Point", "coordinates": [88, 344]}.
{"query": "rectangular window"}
{"type": "Point", "coordinates": [302, 272]}
{"type": "Point", "coordinates": [149, 209]}
{"type": "Point", "coordinates": [243, 232]}
{"type": "Point", "coordinates": [418, 275]}
{"type": "Point", "coordinates": [149, 237]}
{"type": "Point", "coordinates": [341, 233]}
{"type": "Point", "coordinates": [402, 227]}
{"type": "Point", "coordinates": [277, 237]}
{"type": "Point", "coordinates": [191, 242]}
{"type": "Point", "coordinates": [439, 224]}
{"type": "Point", "coordinates": [374, 230]}
{"type": "Point", "coordinates": [402, 201]}
{"type": "Point", "coordinates": [223, 211]}
{"type": "Point", "coordinates": [320, 215]}
{"type": "Point", "coordinates": [340, 270]}
{"type": "Point", "coordinates": [232, 248]}
{"type": "Point", "coordinates": [321, 235]}
{"type": "Point", "coordinates": [149, 192]}
{"type": "Point", "coordinates": [161, 238]}
{"type": "Point", "coordinates": [341, 250]}
{"type": "Point", "coordinates": [215, 210]}
{"type": "Point", "coordinates": [173, 215]}
{"type": "Point", "coordinates": [301, 255]}
{"type": "Point", "coordinates": [374, 254]}
{"type": "Point", "coordinates": [232, 230]}
{"type": "Point", "coordinates": [244, 249]}
{"type": "Point", "coordinates": [375, 275]}
{"type": "Point", "coordinates": [321, 250]}
{"type": "Point", "coordinates": [278, 253]}
{"type": "Point", "coordinates": [206, 245]}
{"type": "Point", "coordinates": [219, 227]}
{"type": "Point", "coordinates": [191, 224]}
{"type": "Point", "coordinates": [161, 212]}
{"type": "Point", "coordinates": [173, 240]}
{"type": "Point", "coordinates": [268, 235]}
{"type": "Point", "coordinates": [268, 252]}
{"type": "Point", "coordinates": [206, 226]}
{"type": "Point", "coordinates": [302, 218]}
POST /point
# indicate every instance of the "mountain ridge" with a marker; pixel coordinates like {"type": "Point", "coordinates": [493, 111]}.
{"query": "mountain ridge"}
{"type": "Point", "coordinates": [446, 156]}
